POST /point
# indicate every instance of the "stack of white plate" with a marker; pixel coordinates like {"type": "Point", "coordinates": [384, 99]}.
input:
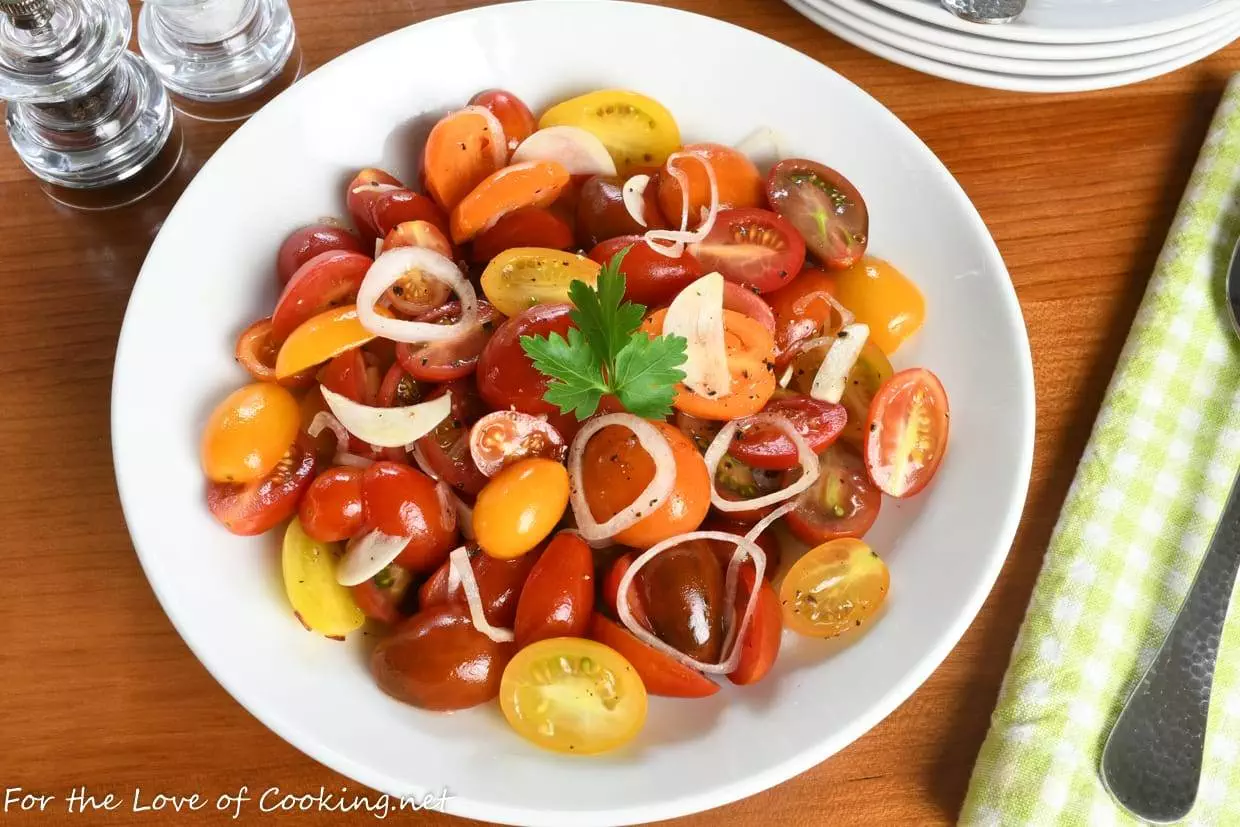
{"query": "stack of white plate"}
{"type": "Point", "coordinates": [1055, 46]}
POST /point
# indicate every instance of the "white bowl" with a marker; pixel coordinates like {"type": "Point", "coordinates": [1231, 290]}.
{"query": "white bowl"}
{"type": "Point", "coordinates": [209, 273]}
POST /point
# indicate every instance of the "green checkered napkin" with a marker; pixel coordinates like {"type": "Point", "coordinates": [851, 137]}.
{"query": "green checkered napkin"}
{"type": "Point", "coordinates": [1146, 497]}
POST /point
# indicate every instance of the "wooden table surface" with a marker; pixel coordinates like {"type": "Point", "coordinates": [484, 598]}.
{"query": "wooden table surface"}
{"type": "Point", "coordinates": [97, 689]}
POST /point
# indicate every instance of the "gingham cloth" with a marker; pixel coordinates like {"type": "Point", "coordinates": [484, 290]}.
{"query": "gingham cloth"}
{"type": "Point", "coordinates": [1148, 492]}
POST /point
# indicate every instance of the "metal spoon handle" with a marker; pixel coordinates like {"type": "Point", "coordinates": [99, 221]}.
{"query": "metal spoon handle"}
{"type": "Point", "coordinates": [985, 11]}
{"type": "Point", "coordinates": [1152, 760]}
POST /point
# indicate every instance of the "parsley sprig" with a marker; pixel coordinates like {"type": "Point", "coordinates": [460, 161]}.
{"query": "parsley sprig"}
{"type": "Point", "coordinates": [605, 353]}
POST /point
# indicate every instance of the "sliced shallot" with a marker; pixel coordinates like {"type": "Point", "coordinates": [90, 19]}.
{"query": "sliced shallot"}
{"type": "Point", "coordinates": [376, 187]}
{"type": "Point", "coordinates": [765, 147]}
{"type": "Point", "coordinates": [388, 427]}
{"type": "Point", "coordinates": [388, 269]}
{"type": "Point", "coordinates": [419, 458]}
{"type": "Point", "coordinates": [697, 314]}
{"type": "Point", "coordinates": [579, 151]}
{"type": "Point", "coordinates": [323, 420]}
{"type": "Point", "coordinates": [464, 517]}
{"type": "Point", "coordinates": [762, 525]}
{"type": "Point", "coordinates": [801, 304]}
{"type": "Point", "coordinates": [650, 499]}
{"type": "Point", "coordinates": [634, 194]}
{"type": "Point", "coordinates": [719, 448]}
{"type": "Point", "coordinates": [368, 555]}
{"type": "Point", "coordinates": [677, 239]}
{"type": "Point", "coordinates": [459, 560]}
{"type": "Point", "coordinates": [832, 376]}
{"type": "Point", "coordinates": [745, 548]}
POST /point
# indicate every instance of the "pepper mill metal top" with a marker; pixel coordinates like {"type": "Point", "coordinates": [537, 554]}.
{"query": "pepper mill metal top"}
{"type": "Point", "coordinates": [87, 117]}
{"type": "Point", "coordinates": [52, 50]}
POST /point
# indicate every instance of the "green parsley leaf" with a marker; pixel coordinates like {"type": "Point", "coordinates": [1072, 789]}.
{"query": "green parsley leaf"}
{"type": "Point", "coordinates": [647, 370]}
{"type": "Point", "coordinates": [577, 378]}
{"type": "Point", "coordinates": [602, 314]}
{"type": "Point", "coordinates": [606, 354]}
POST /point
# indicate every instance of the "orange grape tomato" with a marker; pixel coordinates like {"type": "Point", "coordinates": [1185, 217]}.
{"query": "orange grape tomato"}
{"type": "Point", "coordinates": [459, 155]}
{"type": "Point", "coordinates": [615, 469]}
{"type": "Point", "coordinates": [834, 588]}
{"type": "Point", "coordinates": [740, 183]}
{"type": "Point", "coordinates": [882, 297]}
{"type": "Point", "coordinates": [520, 506]}
{"type": "Point", "coordinates": [249, 432]}
{"type": "Point", "coordinates": [320, 338]}
{"type": "Point", "coordinates": [573, 695]}
{"type": "Point", "coordinates": [750, 348]}
{"type": "Point", "coordinates": [906, 433]}
{"type": "Point", "coordinates": [531, 184]}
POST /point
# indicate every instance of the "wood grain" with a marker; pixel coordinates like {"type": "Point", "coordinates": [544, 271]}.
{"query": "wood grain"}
{"type": "Point", "coordinates": [96, 687]}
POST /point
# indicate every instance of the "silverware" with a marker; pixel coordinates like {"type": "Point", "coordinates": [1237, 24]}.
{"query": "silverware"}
{"type": "Point", "coordinates": [1151, 764]}
{"type": "Point", "coordinates": [985, 11]}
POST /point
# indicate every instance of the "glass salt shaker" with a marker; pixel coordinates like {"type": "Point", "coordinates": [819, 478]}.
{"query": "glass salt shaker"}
{"type": "Point", "coordinates": [220, 59]}
{"type": "Point", "coordinates": [87, 117]}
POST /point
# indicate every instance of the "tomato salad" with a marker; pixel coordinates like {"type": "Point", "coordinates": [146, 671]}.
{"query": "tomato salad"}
{"type": "Point", "coordinates": [562, 493]}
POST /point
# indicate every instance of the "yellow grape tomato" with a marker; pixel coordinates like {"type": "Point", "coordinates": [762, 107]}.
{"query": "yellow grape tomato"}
{"type": "Point", "coordinates": [834, 588]}
{"type": "Point", "coordinates": [638, 131]}
{"type": "Point", "coordinates": [573, 696]}
{"type": "Point", "coordinates": [522, 277]}
{"type": "Point", "coordinates": [309, 568]}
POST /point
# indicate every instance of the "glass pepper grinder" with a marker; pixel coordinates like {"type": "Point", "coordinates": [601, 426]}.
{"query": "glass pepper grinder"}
{"type": "Point", "coordinates": [220, 59]}
{"type": "Point", "coordinates": [87, 117]}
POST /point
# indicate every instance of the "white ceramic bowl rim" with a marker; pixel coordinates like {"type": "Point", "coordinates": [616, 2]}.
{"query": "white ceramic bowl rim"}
{"type": "Point", "coordinates": [152, 506]}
